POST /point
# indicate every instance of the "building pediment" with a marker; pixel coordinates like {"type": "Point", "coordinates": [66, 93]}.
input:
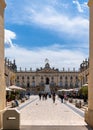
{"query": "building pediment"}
{"type": "Point", "coordinates": [47, 70]}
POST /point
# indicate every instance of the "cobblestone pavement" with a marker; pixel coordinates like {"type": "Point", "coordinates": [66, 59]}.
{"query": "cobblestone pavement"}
{"type": "Point", "coordinates": [47, 113]}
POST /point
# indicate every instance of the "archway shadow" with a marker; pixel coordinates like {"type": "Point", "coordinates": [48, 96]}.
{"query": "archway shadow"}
{"type": "Point", "coordinates": [63, 127]}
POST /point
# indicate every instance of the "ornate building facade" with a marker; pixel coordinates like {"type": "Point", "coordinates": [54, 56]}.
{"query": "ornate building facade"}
{"type": "Point", "coordinates": [10, 72]}
{"type": "Point", "coordinates": [84, 72]}
{"type": "Point", "coordinates": [35, 81]}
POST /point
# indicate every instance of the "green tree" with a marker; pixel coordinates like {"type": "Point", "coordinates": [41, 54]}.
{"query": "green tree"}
{"type": "Point", "coordinates": [84, 91]}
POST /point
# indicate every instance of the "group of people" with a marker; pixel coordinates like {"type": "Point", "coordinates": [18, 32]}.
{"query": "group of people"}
{"type": "Point", "coordinates": [62, 97]}
{"type": "Point", "coordinates": [44, 95]}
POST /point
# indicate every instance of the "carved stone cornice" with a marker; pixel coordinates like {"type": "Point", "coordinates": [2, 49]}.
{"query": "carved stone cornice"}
{"type": "Point", "coordinates": [90, 3]}
{"type": "Point", "coordinates": [49, 70]}
{"type": "Point", "coordinates": [2, 3]}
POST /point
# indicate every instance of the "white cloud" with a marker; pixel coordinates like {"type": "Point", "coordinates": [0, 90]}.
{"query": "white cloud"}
{"type": "Point", "coordinates": [58, 56]}
{"type": "Point", "coordinates": [49, 17]}
{"type": "Point", "coordinates": [60, 22]}
{"type": "Point", "coordinates": [9, 36]}
{"type": "Point", "coordinates": [76, 27]}
{"type": "Point", "coordinates": [78, 5]}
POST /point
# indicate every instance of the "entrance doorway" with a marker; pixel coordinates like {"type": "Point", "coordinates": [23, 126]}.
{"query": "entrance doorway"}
{"type": "Point", "coordinates": [47, 81]}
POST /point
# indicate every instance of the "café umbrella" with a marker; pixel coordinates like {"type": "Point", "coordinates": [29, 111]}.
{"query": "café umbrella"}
{"type": "Point", "coordinates": [8, 89]}
{"type": "Point", "coordinates": [13, 87]}
{"type": "Point", "coordinates": [84, 85]}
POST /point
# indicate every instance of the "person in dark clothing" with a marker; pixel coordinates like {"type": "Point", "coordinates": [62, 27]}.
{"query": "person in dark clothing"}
{"type": "Point", "coordinates": [61, 97]}
{"type": "Point", "coordinates": [53, 96]}
{"type": "Point", "coordinates": [45, 96]}
{"type": "Point", "coordinates": [39, 96]}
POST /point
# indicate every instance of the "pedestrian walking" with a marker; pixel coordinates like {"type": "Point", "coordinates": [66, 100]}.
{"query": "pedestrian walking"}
{"type": "Point", "coordinates": [45, 96]}
{"type": "Point", "coordinates": [40, 96]}
{"type": "Point", "coordinates": [53, 96]}
{"type": "Point", "coordinates": [61, 97]}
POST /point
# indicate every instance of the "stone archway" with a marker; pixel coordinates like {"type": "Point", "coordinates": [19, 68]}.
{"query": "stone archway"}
{"type": "Point", "coordinates": [2, 79]}
{"type": "Point", "coordinates": [89, 112]}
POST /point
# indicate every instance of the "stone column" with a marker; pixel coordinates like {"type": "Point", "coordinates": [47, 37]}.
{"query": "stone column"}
{"type": "Point", "coordinates": [89, 112]}
{"type": "Point", "coordinates": [2, 77]}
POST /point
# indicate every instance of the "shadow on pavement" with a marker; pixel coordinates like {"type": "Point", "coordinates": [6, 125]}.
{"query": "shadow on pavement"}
{"type": "Point", "coordinates": [55, 128]}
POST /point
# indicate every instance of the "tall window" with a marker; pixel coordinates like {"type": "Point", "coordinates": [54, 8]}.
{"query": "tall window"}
{"type": "Point", "coordinates": [33, 84]}
{"type": "Point", "coordinates": [41, 77]}
{"type": "Point", "coordinates": [47, 80]}
{"type": "Point", "coordinates": [17, 77]}
{"type": "Point", "coordinates": [76, 78]}
{"type": "Point", "coordinates": [60, 84]}
{"type": "Point", "coordinates": [33, 77]}
{"type": "Point", "coordinates": [60, 77]}
{"type": "Point", "coordinates": [28, 85]}
{"type": "Point", "coordinates": [41, 83]}
{"type": "Point", "coordinates": [23, 84]}
{"type": "Point", "coordinates": [66, 77]}
{"type": "Point", "coordinates": [71, 85]}
{"type": "Point", "coordinates": [18, 83]}
{"type": "Point", "coordinates": [23, 77]}
{"type": "Point", "coordinates": [52, 78]}
{"type": "Point", "coordinates": [52, 84]}
{"type": "Point", "coordinates": [66, 84]}
{"type": "Point", "coordinates": [28, 77]}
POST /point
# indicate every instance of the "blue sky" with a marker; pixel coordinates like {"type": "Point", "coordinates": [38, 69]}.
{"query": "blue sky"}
{"type": "Point", "coordinates": [53, 29]}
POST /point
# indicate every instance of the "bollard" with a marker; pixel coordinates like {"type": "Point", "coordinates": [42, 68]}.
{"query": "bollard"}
{"type": "Point", "coordinates": [11, 119]}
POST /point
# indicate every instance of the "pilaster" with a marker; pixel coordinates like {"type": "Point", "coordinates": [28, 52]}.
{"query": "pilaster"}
{"type": "Point", "coordinates": [89, 112]}
{"type": "Point", "coordinates": [2, 79]}
{"type": "Point", "coordinates": [90, 3]}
